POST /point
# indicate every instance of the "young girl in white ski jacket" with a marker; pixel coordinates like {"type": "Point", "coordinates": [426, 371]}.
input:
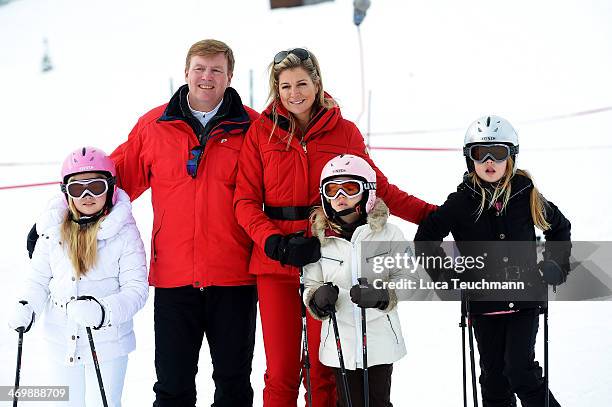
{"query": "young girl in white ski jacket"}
{"type": "Point", "coordinates": [353, 231]}
{"type": "Point", "coordinates": [88, 270]}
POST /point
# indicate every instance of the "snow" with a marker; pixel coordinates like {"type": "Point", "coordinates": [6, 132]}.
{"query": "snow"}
{"type": "Point", "coordinates": [433, 65]}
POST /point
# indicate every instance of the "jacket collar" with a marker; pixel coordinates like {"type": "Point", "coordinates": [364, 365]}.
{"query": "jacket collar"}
{"type": "Point", "coordinates": [231, 115]}
{"type": "Point", "coordinates": [323, 120]}
{"type": "Point", "coordinates": [121, 214]}
{"type": "Point", "coordinates": [377, 219]}
{"type": "Point", "coordinates": [518, 184]}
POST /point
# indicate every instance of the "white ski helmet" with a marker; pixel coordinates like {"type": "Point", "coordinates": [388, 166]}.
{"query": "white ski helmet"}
{"type": "Point", "coordinates": [490, 129]}
{"type": "Point", "coordinates": [347, 165]}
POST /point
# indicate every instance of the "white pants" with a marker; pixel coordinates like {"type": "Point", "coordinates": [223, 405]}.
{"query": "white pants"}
{"type": "Point", "coordinates": [83, 385]}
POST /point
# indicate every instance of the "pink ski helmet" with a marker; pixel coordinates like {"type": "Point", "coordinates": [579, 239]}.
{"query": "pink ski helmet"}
{"type": "Point", "coordinates": [91, 159]}
{"type": "Point", "coordinates": [347, 165]}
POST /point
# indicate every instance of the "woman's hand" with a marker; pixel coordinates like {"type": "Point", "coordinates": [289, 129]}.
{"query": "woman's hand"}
{"type": "Point", "coordinates": [293, 249]}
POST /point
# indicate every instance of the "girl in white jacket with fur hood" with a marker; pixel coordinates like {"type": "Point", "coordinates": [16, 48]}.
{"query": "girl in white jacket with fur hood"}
{"type": "Point", "coordinates": [354, 234]}
{"type": "Point", "coordinates": [88, 270]}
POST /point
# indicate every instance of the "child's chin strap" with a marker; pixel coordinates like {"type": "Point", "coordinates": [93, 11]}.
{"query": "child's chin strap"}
{"type": "Point", "coordinates": [84, 220]}
{"type": "Point", "coordinates": [359, 209]}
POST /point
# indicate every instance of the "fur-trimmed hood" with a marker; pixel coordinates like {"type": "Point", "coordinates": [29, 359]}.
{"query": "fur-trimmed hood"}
{"type": "Point", "coordinates": [377, 219]}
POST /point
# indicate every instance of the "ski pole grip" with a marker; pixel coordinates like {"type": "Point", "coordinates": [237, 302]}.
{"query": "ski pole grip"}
{"type": "Point", "coordinates": [332, 307]}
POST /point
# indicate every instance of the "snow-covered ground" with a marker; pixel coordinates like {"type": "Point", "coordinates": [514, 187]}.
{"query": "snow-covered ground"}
{"type": "Point", "coordinates": [430, 65]}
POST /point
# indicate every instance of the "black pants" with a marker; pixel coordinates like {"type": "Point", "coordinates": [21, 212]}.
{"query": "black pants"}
{"type": "Point", "coordinates": [379, 379]}
{"type": "Point", "coordinates": [506, 344]}
{"type": "Point", "coordinates": [182, 316]}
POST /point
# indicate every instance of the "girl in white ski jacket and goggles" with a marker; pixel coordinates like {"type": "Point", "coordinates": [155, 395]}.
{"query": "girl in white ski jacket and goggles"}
{"type": "Point", "coordinates": [353, 230]}
{"type": "Point", "coordinates": [89, 277]}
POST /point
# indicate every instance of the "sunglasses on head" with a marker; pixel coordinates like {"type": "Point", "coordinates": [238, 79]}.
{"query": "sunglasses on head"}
{"type": "Point", "coordinates": [483, 152]}
{"type": "Point", "coordinates": [347, 187]}
{"type": "Point", "coordinates": [298, 52]}
{"type": "Point", "coordinates": [95, 187]}
{"type": "Point", "coordinates": [194, 161]}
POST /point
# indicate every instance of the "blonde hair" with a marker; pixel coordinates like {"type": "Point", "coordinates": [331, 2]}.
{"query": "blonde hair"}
{"type": "Point", "coordinates": [503, 190]}
{"type": "Point", "coordinates": [211, 47]}
{"type": "Point", "coordinates": [81, 241]}
{"type": "Point", "coordinates": [311, 66]}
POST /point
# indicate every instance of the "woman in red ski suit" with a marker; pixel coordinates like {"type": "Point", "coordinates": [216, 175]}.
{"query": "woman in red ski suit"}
{"type": "Point", "coordinates": [277, 184]}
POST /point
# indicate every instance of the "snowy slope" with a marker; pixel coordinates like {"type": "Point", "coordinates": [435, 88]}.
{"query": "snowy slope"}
{"type": "Point", "coordinates": [430, 65]}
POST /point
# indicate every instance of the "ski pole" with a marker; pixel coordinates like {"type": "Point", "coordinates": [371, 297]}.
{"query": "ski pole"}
{"type": "Point", "coordinates": [18, 372]}
{"type": "Point", "coordinates": [305, 353]}
{"type": "Point", "coordinates": [462, 325]}
{"type": "Point", "coordinates": [363, 282]}
{"type": "Point", "coordinates": [547, 397]}
{"type": "Point", "coordinates": [472, 363]}
{"type": "Point", "coordinates": [347, 396]}
{"type": "Point", "coordinates": [97, 366]}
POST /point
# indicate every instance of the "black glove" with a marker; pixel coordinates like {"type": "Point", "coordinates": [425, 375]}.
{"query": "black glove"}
{"type": "Point", "coordinates": [366, 296]}
{"type": "Point", "coordinates": [551, 272]}
{"type": "Point", "coordinates": [31, 242]}
{"type": "Point", "coordinates": [324, 299]}
{"type": "Point", "coordinates": [293, 249]}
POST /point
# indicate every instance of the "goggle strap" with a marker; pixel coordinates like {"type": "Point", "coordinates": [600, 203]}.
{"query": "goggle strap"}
{"type": "Point", "coordinates": [369, 186]}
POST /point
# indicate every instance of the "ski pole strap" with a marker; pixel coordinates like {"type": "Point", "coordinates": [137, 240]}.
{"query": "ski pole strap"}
{"type": "Point", "coordinates": [89, 297]}
{"type": "Point", "coordinates": [287, 212]}
{"type": "Point", "coordinates": [24, 302]}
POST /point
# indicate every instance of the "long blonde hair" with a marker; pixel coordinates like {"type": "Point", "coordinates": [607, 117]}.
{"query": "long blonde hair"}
{"type": "Point", "coordinates": [311, 66]}
{"type": "Point", "coordinates": [503, 190]}
{"type": "Point", "coordinates": [81, 241]}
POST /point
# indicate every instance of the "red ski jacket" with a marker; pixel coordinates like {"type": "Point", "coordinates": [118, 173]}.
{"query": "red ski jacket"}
{"type": "Point", "coordinates": [196, 239]}
{"type": "Point", "coordinates": [272, 175]}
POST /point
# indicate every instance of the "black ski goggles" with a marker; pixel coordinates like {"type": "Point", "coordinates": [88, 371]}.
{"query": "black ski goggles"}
{"type": "Point", "coordinates": [483, 152]}
{"type": "Point", "coordinates": [298, 52]}
{"type": "Point", "coordinates": [95, 187]}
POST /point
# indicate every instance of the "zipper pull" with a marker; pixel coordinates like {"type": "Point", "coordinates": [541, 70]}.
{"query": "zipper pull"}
{"type": "Point", "coordinates": [303, 143]}
{"type": "Point", "coordinates": [498, 208]}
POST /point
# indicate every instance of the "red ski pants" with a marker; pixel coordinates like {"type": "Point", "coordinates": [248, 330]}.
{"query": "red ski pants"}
{"type": "Point", "coordinates": [281, 320]}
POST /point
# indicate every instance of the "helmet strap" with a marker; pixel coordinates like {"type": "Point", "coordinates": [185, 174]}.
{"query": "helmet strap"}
{"type": "Point", "coordinates": [86, 220]}
{"type": "Point", "coordinates": [337, 216]}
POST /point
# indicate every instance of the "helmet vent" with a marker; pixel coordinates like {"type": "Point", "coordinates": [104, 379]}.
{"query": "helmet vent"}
{"type": "Point", "coordinates": [488, 121]}
{"type": "Point", "coordinates": [83, 151]}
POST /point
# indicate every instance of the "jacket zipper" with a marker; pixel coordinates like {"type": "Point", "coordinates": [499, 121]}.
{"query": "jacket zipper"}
{"type": "Point", "coordinates": [332, 259]}
{"type": "Point", "coordinates": [376, 255]}
{"type": "Point", "coordinates": [391, 325]}
{"type": "Point", "coordinates": [356, 272]}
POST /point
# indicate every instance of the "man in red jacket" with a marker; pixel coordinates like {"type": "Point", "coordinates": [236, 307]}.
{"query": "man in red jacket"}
{"type": "Point", "coordinates": [187, 151]}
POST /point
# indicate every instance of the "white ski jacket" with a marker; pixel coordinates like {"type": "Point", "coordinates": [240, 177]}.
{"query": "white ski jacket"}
{"type": "Point", "coordinates": [342, 262]}
{"type": "Point", "coordinates": [118, 281]}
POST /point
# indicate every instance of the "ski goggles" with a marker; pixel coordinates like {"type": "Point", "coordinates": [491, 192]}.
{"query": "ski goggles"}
{"type": "Point", "coordinates": [79, 188]}
{"type": "Point", "coordinates": [194, 160]}
{"type": "Point", "coordinates": [483, 152]}
{"type": "Point", "coordinates": [347, 187]}
{"type": "Point", "coordinates": [298, 52]}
